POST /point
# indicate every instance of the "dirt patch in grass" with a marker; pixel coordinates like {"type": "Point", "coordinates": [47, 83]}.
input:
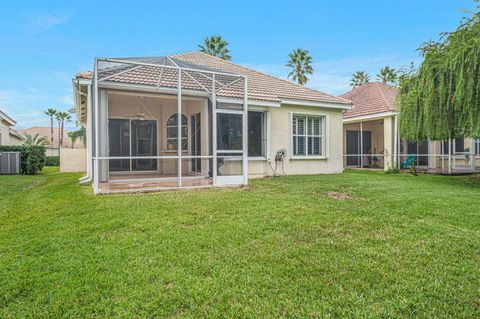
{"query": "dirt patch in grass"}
{"type": "Point", "coordinates": [340, 195]}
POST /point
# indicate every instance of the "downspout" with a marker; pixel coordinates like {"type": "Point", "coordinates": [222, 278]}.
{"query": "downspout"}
{"type": "Point", "coordinates": [88, 178]}
{"type": "Point", "coordinates": [395, 141]}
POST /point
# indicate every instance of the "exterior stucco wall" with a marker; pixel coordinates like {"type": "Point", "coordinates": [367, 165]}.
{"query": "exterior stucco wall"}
{"type": "Point", "coordinates": [388, 140]}
{"type": "Point", "coordinates": [4, 134]}
{"type": "Point", "coordinates": [281, 137]}
{"type": "Point", "coordinates": [73, 160]}
{"type": "Point", "coordinates": [279, 133]}
{"type": "Point", "coordinates": [5, 137]}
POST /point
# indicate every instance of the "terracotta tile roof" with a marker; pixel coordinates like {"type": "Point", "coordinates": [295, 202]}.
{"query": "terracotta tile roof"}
{"type": "Point", "coordinates": [84, 75]}
{"type": "Point", "coordinates": [261, 86]}
{"type": "Point", "coordinates": [371, 98]}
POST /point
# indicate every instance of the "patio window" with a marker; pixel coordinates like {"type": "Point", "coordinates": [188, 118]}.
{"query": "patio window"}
{"type": "Point", "coordinates": [229, 132]}
{"type": "Point", "coordinates": [256, 134]}
{"type": "Point", "coordinates": [459, 146]}
{"type": "Point", "coordinates": [307, 135]}
{"type": "Point", "coordinates": [172, 132]}
{"type": "Point", "coordinates": [477, 146]}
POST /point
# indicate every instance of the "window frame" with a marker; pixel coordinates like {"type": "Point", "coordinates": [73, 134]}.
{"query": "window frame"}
{"type": "Point", "coordinates": [323, 136]}
{"type": "Point", "coordinates": [264, 138]}
{"type": "Point", "coordinates": [131, 170]}
{"type": "Point", "coordinates": [186, 126]}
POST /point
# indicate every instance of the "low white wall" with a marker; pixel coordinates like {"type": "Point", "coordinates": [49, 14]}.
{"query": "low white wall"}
{"type": "Point", "coordinates": [73, 160]}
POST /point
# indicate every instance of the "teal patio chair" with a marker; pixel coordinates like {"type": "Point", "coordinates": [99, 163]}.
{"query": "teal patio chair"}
{"type": "Point", "coordinates": [409, 161]}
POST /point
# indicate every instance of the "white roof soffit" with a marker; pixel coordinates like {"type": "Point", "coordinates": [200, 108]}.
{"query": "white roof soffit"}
{"type": "Point", "coordinates": [369, 117]}
{"type": "Point", "coordinates": [7, 118]}
{"type": "Point", "coordinates": [318, 104]}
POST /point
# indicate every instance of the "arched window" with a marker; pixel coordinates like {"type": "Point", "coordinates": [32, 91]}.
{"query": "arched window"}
{"type": "Point", "coordinates": [172, 132]}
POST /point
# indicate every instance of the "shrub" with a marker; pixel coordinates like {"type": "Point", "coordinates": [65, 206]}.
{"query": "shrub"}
{"type": "Point", "coordinates": [392, 170]}
{"type": "Point", "coordinates": [32, 157]}
{"type": "Point", "coordinates": [52, 161]}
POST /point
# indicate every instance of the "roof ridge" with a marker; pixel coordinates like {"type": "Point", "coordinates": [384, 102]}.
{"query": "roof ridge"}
{"type": "Point", "coordinates": [382, 94]}
{"type": "Point", "coordinates": [265, 74]}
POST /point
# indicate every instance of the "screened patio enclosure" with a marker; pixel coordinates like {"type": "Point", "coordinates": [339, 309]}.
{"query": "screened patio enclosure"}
{"type": "Point", "coordinates": [364, 145]}
{"type": "Point", "coordinates": [161, 123]}
{"type": "Point", "coordinates": [375, 144]}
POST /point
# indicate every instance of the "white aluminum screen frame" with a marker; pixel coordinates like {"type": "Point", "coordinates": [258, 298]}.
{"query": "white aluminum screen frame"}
{"type": "Point", "coordinates": [216, 86]}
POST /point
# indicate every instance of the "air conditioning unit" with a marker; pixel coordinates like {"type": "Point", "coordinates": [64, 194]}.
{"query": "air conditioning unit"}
{"type": "Point", "coordinates": [9, 163]}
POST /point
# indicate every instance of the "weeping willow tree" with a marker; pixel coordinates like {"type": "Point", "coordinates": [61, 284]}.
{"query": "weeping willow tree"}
{"type": "Point", "coordinates": [441, 100]}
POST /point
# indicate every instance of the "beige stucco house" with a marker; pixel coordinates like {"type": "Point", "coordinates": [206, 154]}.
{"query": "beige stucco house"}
{"type": "Point", "coordinates": [8, 135]}
{"type": "Point", "coordinates": [371, 137]}
{"type": "Point", "coordinates": [193, 120]}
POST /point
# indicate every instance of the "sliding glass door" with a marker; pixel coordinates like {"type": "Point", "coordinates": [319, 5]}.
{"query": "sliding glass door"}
{"type": "Point", "coordinates": [231, 143]}
{"type": "Point", "coordinates": [132, 138]}
{"type": "Point", "coordinates": [196, 144]}
{"type": "Point", "coordinates": [356, 150]}
{"type": "Point", "coordinates": [119, 144]}
{"type": "Point", "coordinates": [420, 150]}
{"type": "Point", "coordinates": [144, 143]}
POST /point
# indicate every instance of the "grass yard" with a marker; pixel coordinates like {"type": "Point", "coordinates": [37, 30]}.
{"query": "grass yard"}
{"type": "Point", "coordinates": [392, 246]}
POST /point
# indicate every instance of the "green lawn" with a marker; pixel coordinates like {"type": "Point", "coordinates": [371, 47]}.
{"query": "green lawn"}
{"type": "Point", "coordinates": [401, 246]}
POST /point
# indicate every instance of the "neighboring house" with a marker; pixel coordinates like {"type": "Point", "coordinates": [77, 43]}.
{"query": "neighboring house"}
{"type": "Point", "coordinates": [233, 121]}
{"type": "Point", "coordinates": [371, 136]}
{"type": "Point", "coordinates": [8, 135]}
{"type": "Point", "coordinates": [371, 126]}
{"type": "Point", "coordinates": [44, 131]}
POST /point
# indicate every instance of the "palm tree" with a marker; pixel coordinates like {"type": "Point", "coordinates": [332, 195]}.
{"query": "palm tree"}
{"type": "Point", "coordinates": [73, 137]}
{"type": "Point", "coordinates": [359, 78]}
{"type": "Point", "coordinates": [300, 61]}
{"type": "Point", "coordinates": [62, 117]}
{"type": "Point", "coordinates": [387, 75]}
{"type": "Point", "coordinates": [79, 134]}
{"type": "Point", "coordinates": [82, 135]}
{"type": "Point", "coordinates": [51, 113]}
{"type": "Point", "coordinates": [216, 47]}
{"type": "Point", "coordinates": [35, 139]}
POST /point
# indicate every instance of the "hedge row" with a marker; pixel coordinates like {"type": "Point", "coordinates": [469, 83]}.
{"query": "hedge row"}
{"type": "Point", "coordinates": [32, 157]}
{"type": "Point", "coordinates": [52, 161]}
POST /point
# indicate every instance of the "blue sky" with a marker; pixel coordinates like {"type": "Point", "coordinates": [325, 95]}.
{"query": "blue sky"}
{"type": "Point", "coordinates": [46, 42]}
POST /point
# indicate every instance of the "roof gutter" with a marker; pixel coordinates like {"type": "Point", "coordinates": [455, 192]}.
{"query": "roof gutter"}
{"type": "Point", "coordinates": [375, 116]}
{"type": "Point", "coordinates": [340, 106]}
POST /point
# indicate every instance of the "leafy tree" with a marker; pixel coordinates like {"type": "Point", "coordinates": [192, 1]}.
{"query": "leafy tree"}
{"type": "Point", "coordinates": [387, 75]}
{"type": "Point", "coordinates": [441, 100]}
{"type": "Point", "coordinates": [35, 140]}
{"type": "Point", "coordinates": [51, 113]}
{"type": "Point", "coordinates": [216, 47]}
{"type": "Point", "coordinates": [62, 117]}
{"type": "Point", "coordinates": [301, 64]}
{"type": "Point", "coordinates": [359, 78]}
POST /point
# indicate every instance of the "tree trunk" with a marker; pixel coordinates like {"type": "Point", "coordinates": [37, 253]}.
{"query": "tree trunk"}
{"type": "Point", "coordinates": [61, 134]}
{"type": "Point", "coordinates": [51, 131]}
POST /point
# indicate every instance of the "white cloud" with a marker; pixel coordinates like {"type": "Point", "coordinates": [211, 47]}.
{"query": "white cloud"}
{"type": "Point", "coordinates": [44, 22]}
{"type": "Point", "coordinates": [67, 100]}
{"type": "Point", "coordinates": [27, 108]}
{"type": "Point", "coordinates": [333, 77]}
